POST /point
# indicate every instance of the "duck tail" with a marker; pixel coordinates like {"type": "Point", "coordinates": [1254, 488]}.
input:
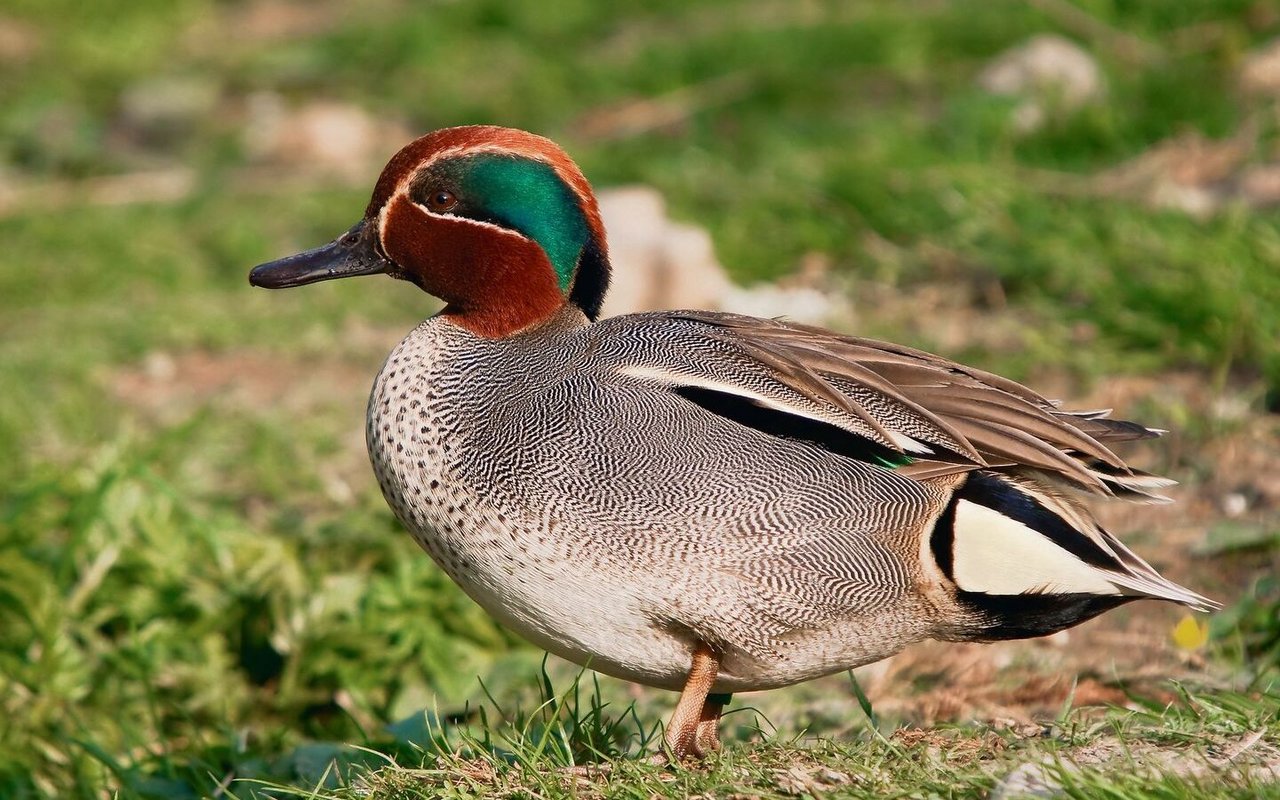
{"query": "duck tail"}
{"type": "Point", "coordinates": [1029, 561]}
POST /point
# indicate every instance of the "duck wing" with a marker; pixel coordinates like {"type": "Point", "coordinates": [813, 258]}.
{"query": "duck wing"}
{"type": "Point", "coordinates": [925, 415]}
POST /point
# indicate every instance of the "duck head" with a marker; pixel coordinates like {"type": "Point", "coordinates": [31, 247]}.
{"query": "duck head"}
{"type": "Point", "coordinates": [498, 223]}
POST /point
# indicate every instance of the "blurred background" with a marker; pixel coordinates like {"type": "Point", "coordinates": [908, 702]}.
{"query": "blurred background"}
{"type": "Point", "coordinates": [198, 576]}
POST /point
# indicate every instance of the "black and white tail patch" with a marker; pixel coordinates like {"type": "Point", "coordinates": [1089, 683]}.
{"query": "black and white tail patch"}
{"type": "Point", "coordinates": [1030, 563]}
{"type": "Point", "coordinates": [996, 554]}
{"type": "Point", "coordinates": [995, 538]}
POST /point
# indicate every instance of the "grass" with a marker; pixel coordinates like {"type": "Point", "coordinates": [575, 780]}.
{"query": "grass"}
{"type": "Point", "coordinates": [1220, 746]}
{"type": "Point", "coordinates": [197, 578]}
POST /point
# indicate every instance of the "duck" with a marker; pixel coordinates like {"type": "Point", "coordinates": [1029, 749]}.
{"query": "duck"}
{"type": "Point", "coordinates": [701, 501]}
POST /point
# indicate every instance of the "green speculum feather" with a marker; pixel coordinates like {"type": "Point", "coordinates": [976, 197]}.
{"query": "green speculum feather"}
{"type": "Point", "coordinates": [528, 196]}
{"type": "Point", "coordinates": [893, 461]}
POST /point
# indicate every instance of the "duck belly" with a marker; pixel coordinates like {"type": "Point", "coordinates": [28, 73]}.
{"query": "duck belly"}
{"type": "Point", "coordinates": [628, 613]}
{"type": "Point", "coordinates": [612, 620]}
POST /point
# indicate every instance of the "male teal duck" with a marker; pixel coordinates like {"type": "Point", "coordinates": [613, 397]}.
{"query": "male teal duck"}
{"type": "Point", "coordinates": [701, 501]}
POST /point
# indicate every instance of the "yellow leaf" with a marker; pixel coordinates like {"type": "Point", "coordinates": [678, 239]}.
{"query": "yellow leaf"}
{"type": "Point", "coordinates": [1190, 633]}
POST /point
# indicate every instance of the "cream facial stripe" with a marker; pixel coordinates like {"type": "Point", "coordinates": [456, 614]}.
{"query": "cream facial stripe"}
{"type": "Point", "coordinates": [477, 222]}
{"type": "Point", "coordinates": [402, 188]}
{"type": "Point", "coordinates": [459, 151]}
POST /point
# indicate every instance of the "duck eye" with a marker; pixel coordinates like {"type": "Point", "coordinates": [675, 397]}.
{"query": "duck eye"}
{"type": "Point", "coordinates": [441, 200]}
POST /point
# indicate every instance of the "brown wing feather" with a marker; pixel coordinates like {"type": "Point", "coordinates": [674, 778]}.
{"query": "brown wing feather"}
{"type": "Point", "coordinates": [970, 418]}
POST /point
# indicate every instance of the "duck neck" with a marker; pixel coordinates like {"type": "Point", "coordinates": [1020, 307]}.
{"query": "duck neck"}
{"type": "Point", "coordinates": [494, 282]}
{"type": "Point", "coordinates": [503, 296]}
{"type": "Point", "coordinates": [591, 280]}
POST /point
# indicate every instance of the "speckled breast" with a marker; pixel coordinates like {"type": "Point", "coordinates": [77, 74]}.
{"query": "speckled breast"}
{"type": "Point", "coordinates": [442, 418]}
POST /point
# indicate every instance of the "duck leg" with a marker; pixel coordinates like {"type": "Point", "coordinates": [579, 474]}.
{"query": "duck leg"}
{"type": "Point", "coordinates": [692, 729]}
{"type": "Point", "coordinates": [707, 738]}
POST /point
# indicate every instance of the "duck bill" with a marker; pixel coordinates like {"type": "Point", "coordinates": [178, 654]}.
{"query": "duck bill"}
{"type": "Point", "coordinates": [352, 253]}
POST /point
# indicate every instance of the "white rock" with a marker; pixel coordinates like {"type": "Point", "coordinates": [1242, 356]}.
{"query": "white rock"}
{"type": "Point", "coordinates": [800, 304]}
{"type": "Point", "coordinates": [159, 366]}
{"type": "Point", "coordinates": [1049, 71]}
{"type": "Point", "coordinates": [1200, 202]}
{"type": "Point", "coordinates": [1260, 72]}
{"type": "Point", "coordinates": [323, 135]}
{"type": "Point", "coordinates": [1234, 504]}
{"type": "Point", "coordinates": [1029, 780]}
{"type": "Point", "coordinates": [657, 263]}
{"type": "Point", "coordinates": [162, 107]}
{"type": "Point", "coordinates": [1260, 184]}
{"type": "Point", "coordinates": [661, 264]}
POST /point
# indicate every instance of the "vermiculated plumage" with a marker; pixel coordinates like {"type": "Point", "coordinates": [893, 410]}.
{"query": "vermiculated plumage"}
{"type": "Point", "coordinates": [563, 470]}
{"type": "Point", "coordinates": [697, 500]}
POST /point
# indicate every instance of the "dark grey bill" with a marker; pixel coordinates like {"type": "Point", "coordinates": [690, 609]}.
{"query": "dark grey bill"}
{"type": "Point", "coordinates": [352, 253]}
